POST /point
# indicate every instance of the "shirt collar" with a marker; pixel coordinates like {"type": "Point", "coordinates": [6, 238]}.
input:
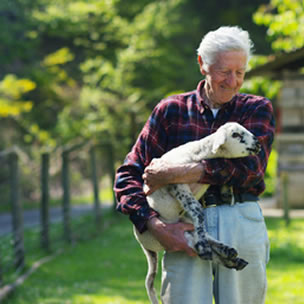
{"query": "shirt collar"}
{"type": "Point", "coordinates": [202, 105]}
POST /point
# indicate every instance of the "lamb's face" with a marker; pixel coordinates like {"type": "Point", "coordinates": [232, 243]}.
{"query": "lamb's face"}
{"type": "Point", "coordinates": [239, 142]}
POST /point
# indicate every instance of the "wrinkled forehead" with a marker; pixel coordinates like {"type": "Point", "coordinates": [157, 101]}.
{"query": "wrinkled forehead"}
{"type": "Point", "coordinates": [234, 59]}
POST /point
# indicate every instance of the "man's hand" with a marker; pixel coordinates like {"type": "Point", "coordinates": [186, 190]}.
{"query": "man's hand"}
{"type": "Point", "coordinates": [171, 236]}
{"type": "Point", "coordinates": [160, 173]}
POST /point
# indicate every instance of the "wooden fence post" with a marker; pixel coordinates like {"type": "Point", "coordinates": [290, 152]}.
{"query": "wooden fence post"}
{"type": "Point", "coordinates": [66, 196]}
{"type": "Point", "coordinates": [94, 179]}
{"type": "Point", "coordinates": [284, 179]}
{"type": "Point", "coordinates": [44, 211]}
{"type": "Point", "coordinates": [112, 172]}
{"type": "Point", "coordinates": [1, 274]}
{"type": "Point", "coordinates": [16, 211]}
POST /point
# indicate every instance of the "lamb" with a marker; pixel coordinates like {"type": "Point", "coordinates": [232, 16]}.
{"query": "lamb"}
{"type": "Point", "coordinates": [230, 141]}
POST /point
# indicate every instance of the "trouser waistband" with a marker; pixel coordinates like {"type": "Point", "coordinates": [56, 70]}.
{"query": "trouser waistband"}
{"type": "Point", "coordinates": [212, 200]}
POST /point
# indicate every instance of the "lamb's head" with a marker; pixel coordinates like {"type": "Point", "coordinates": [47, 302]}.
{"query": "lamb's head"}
{"type": "Point", "coordinates": [233, 140]}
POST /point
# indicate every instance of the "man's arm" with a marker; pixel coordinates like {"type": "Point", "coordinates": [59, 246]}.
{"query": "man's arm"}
{"type": "Point", "coordinates": [129, 188]}
{"type": "Point", "coordinates": [131, 199]}
{"type": "Point", "coordinates": [159, 173]}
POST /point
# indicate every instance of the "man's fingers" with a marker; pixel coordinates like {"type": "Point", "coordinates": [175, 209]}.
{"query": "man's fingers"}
{"type": "Point", "coordinates": [147, 190]}
{"type": "Point", "coordinates": [187, 227]}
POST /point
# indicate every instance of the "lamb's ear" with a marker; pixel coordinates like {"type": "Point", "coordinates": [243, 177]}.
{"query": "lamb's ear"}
{"type": "Point", "coordinates": [220, 139]}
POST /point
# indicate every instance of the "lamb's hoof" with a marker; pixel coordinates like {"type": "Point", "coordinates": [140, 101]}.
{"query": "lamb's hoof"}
{"type": "Point", "coordinates": [236, 263]}
{"type": "Point", "coordinates": [224, 251]}
{"type": "Point", "coordinates": [240, 264]}
{"type": "Point", "coordinates": [230, 252]}
{"type": "Point", "coordinates": [203, 250]}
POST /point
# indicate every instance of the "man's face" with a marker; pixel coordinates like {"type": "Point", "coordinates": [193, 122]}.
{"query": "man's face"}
{"type": "Point", "coordinates": [225, 77]}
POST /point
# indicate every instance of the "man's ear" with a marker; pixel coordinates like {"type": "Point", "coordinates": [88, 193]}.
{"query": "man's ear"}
{"type": "Point", "coordinates": [200, 60]}
{"type": "Point", "coordinates": [201, 63]}
{"type": "Point", "coordinates": [219, 141]}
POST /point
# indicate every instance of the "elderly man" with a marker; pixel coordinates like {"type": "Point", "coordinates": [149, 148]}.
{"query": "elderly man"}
{"type": "Point", "coordinates": [222, 57]}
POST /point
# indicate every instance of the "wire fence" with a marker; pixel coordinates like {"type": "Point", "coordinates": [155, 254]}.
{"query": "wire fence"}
{"type": "Point", "coordinates": [71, 171]}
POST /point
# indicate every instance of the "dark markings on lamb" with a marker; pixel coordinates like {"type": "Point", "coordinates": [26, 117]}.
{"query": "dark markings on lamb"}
{"type": "Point", "coordinates": [206, 247]}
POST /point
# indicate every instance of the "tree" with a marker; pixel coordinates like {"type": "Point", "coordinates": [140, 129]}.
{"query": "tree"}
{"type": "Point", "coordinates": [117, 96]}
{"type": "Point", "coordinates": [100, 66]}
{"type": "Point", "coordinates": [285, 22]}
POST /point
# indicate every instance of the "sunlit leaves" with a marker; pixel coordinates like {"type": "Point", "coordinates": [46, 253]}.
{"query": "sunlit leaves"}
{"type": "Point", "coordinates": [262, 86]}
{"type": "Point", "coordinates": [41, 137]}
{"type": "Point", "coordinates": [61, 56]}
{"type": "Point", "coordinates": [285, 22]}
{"type": "Point", "coordinates": [13, 87]}
{"type": "Point", "coordinates": [11, 91]}
{"type": "Point", "coordinates": [12, 108]}
{"type": "Point", "coordinates": [117, 95]}
{"type": "Point", "coordinates": [90, 24]}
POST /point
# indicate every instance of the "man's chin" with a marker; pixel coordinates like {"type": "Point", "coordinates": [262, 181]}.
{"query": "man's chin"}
{"type": "Point", "coordinates": [227, 99]}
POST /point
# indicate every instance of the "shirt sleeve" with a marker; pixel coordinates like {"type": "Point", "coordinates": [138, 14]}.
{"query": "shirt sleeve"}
{"type": "Point", "coordinates": [128, 187]}
{"type": "Point", "coordinates": [245, 173]}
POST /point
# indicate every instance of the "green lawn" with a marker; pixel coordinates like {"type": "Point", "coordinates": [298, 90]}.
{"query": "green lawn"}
{"type": "Point", "coordinates": [111, 269]}
{"type": "Point", "coordinates": [286, 267]}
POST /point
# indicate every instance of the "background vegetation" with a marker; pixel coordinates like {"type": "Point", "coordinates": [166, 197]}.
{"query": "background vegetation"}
{"type": "Point", "coordinates": [94, 69]}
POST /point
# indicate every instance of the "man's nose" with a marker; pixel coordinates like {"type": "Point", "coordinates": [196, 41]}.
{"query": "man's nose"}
{"type": "Point", "coordinates": [231, 80]}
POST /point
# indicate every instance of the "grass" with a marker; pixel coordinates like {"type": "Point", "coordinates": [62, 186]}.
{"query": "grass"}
{"type": "Point", "coordinates": [82, 228]}
{"type": "Point", "coordinates": [111, 268]}
{"type": "Point", "coordinates": [285, 269]}
{"type": "Point", "coordinates": [96, 271]}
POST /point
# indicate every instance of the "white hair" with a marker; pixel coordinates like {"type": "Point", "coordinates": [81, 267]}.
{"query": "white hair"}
{"type": "Point", "coordinates": [225, 38]}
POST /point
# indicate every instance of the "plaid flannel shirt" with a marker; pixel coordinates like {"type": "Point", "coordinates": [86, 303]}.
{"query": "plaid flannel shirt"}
{"type": "Point", "coordinates": [185, 117]}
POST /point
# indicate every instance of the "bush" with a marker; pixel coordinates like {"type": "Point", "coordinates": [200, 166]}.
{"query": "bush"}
{"type": "Point", "coordinates": [271, 174]}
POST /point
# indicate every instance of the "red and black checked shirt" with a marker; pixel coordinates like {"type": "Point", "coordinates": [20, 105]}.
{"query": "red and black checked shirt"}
{"type": "Point", "coordinates": [185, 117]}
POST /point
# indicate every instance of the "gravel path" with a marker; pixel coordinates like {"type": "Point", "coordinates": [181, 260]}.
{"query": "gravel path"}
{"type": "Point", "coordinates": [31, 218]}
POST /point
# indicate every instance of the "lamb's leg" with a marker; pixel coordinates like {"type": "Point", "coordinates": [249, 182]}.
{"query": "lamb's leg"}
{"type": "Point", "coordinates": [152, 259]}
{"type": "Point", "coordinates": [194, 209]}
{"type": "Point", "coordinates": [220, 252]}
{"type": "Point", "coordinates": [229, 262]}
{"type": "Point", "coordinates": [226, 255]}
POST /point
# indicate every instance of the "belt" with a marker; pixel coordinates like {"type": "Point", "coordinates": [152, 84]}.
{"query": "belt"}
{"type": "Point", "coordinates": [213, 200]}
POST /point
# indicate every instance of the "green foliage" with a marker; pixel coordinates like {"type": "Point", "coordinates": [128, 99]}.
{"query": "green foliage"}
{"type": "Point", "coordinates": [12, 90]}
{"type": "Point", "coordinates": [284, 19]}
{"type": "Point", "coordinates": [117, 96]}
{"type": "Point", "coordinates": [88, 26]}
{"type": "Point", "coordinates": [61, 56]}
{"type": "Point", "coordinates": [262, 86]}
{"type": "Point", "coordinates": [271, 174]}
{"type": "Point", "coordinates": [100, 66]}
{"type": "Point", "coordinates": [15, 23]}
